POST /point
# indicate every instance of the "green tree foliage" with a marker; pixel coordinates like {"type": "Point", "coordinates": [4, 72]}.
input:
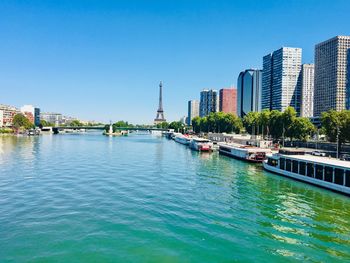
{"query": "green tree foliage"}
{"type": "Point", "coordinates": [44, 123]}
{"type": "Point", "coordinates": [163, 125]}
{"type": "Point", "coordinates": [251, 122]}
{"type": "Point", "coordinates": [176, 125]}
{"type": "Point", "coordinates": [21, 122]}
{"type": "Point", "coordinates": [196, 124]}
{"type": "Point", "coordinates": [278, 124]}
{"type": "Point", "coordinates": [76, 123]}
{"type": "Point", "coordinates": [334, 122]}
{"type": "Point", "coordinates": [301, 129]}
{"type": "Point", "coordinates": [275, 124]}
{"type": "Point", "coordinates": [217, 122]}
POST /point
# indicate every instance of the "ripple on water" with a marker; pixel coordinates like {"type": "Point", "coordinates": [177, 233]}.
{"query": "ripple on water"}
{"type": "Point", "coordinates": [144, 198]}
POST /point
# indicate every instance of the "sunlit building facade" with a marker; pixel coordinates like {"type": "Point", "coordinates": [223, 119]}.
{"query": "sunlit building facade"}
{"type": "Point", "coordinates": [307, 90]}
{"type": "Point", "coordinates": [209, 102]}
{"type": "Point", "coordinates": [228, 100]}
{"type": "Point", "coordinates": [281, 84]}
{"type": "Point", "coordinates": [193, 111]}
{"type": "Point", "coordinates": [330, 74]}
{"type": "Point", "coordinates": [249, 92]}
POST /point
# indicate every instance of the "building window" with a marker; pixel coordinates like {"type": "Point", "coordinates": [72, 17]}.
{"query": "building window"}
{"type": "Point", "coordinates": [302, 168]}
{"type": "Point", "coordinates": [328, 174]}
{"type": "Point", "coordinates": [319, 172]}
{"type": "Point", "coordinates": [339, 176]}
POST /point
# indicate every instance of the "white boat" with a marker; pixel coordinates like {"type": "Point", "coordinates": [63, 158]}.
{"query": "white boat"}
{"type": "Point", "coordinates": [182, 139]}
{"type": "Point", "coordinates": [202, 145]}
{"type": "Point", "coordinates": [244, 152]}
{"type": "Point", "coordinates": [174, 134]}
{"type": "Point", "coordinates": [325, 172]}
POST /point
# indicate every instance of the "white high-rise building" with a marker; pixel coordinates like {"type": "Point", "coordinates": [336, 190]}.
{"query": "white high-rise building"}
{"type": "Point", "coordinates": [307, 90]}
{"type": "Point", "coordinates": [281, 85]}
{"type": "Point", "coordinates": [209, 102]}
{"type": "Point", "coordinates": [330, 74]}
{"type": "Point", "coordinates": [193, 111]}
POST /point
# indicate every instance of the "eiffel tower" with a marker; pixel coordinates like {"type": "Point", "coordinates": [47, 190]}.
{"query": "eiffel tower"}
{"type": "Point", "coordinates": [160, 113]}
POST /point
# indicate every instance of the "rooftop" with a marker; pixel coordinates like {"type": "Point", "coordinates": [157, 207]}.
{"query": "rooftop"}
{"type": "Point", "coordinates": [320, 160]}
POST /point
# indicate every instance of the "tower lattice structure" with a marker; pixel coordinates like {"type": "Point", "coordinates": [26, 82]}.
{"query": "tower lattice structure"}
{"type": "Point", "coordinates": [160, 112]}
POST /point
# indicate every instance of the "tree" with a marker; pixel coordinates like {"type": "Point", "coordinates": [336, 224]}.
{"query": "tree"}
{"type": "Point", "coordinates": [21, 122]}
{"type": "Point", "coordinates": [251, 122]}
{"type": "Point", "coordinates": [76, 123]}
{"type": "Point", "coordinates": [163, 125]}
{"type": "Point", "coordinates": [288, 117]}
{"type": "Point", "coordinates": [264, 119]}
{"type": "Point", "coordinates": [196, 124]}
{"type": "Point", "coordinates": [301, 129]}
{"type": "Point", "coordinates": [176, 125]}
{"type": "Point", "coordinates": [336, 125]}
{"type": "Point", "coordinates": [44, 123]}
{"type": "Point", "coordinates": [275, 124]}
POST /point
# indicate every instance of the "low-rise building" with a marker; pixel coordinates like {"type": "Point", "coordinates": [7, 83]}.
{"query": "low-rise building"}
{"type": "Point", "coordinates": [32, 113]}
{"type": "Point", "coordinates": [8, 112]}
{"type": "Point", "coordinates": [52, 117]}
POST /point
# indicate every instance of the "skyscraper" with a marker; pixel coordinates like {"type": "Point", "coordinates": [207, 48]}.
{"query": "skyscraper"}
{"type": "Point", "coordinates": [281, 85]}
{"type": "Point", "coordinates": [249, 91]}
{"type": "Point", "coordinates": [348, 83]}
{"type": "Point", "coordinates": [209, 102]}
{"type": "Point", "coordinates": [330, 74]}
{"type": "Point", "coordinates": [228, 100]}
{"type": "Point", "coordinates": [193, 111]}
{"type": "Point", "coordinates": [307, 90]}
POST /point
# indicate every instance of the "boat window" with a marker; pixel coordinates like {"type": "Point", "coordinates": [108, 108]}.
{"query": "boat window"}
{"type": "Point", "coordinates": [225, 149]}
{"type": "Point", "coordinates": [288, 165]}
{"type": "Point", "coordinates": [272, 162]}
{"type": "Point", "coordinates": [339, 176]}
{"type": "Point", "coordinates": [347, 178]}
{"type": "Point", "coordinates": [282, 163]}
{"type": "Point", "coordinates": [310, 170]}
{"type": "Point", "coordinates": [328, 174]}
{"type": "Point", "coordinates": [295, 166]}
{"type": "Point", "coordinates": [302, 168]}
{"type": "Point", "coordinates": [319, 172]}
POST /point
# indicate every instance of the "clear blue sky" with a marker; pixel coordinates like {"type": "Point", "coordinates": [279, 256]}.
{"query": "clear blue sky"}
{"type": "Point", "coordinates": [102, 60]}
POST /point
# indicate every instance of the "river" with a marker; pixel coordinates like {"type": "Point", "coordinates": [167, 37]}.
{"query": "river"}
{"type": "Point", "coordinates": [143, 198]}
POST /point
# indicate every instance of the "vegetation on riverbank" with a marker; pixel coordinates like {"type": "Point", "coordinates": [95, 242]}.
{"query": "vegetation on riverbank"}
{"type": "Point", "coordinates": [276, 124]}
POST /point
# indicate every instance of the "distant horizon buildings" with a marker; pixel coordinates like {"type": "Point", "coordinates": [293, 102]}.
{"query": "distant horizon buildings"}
{"type": "Point", "coordinates": [7, 113]}
{"type": "Point", "coordinates": [307, 90]}
{"type": "Point", "coordinates": [249, 91]}
{"type": "Point", "coordinates": [32, 113]}
{"type": "Point", "coordinates": [281, 85]}
{"type": "Point", "coordinates": [52, 117]}
{"type": "Point", "coordinates": [209, 102]}
{"type": "Point", "coordinates": [193, 110]}
{"type": "Point", "coordinates": [330, 75]}
{"type": "Point", "coordinates": [228, 100]}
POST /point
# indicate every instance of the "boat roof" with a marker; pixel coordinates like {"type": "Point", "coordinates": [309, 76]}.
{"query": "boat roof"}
{"type": "Point", "coordinates": [247, 148]}
{"type": "Point", "coordinates": [200, 140]}
{"type": "Point", "coordinates": [319, 160]}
